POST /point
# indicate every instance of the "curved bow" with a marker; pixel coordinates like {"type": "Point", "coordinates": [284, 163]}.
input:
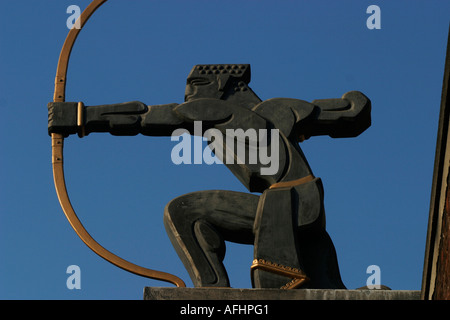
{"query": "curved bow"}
{"type": "Point", "coordinates": [58, 168]}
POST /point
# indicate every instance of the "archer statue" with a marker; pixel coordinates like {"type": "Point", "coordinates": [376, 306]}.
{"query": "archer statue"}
{"type": "Point", "coordinates": [286, 221]}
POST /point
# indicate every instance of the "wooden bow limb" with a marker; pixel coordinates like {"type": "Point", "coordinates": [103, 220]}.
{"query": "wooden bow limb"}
{"type": "Point", "coordinates": [58, 165]}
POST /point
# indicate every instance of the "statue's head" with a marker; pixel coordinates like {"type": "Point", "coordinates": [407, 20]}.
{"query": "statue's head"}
{"type": "Point", "coordinates": [216, 80]}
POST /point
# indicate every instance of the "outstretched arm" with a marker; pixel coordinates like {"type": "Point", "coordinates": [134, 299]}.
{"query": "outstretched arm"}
{"type": "Point", "coordinates": [129, 118]}
{"type": "Point", "coordinates": [71, 117]}
{"type": "Point", "coordinates": [338, 118]}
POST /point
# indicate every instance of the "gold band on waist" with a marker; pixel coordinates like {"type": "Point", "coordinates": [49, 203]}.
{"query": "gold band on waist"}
{"type": "Point", "coordinates": [293, 183]}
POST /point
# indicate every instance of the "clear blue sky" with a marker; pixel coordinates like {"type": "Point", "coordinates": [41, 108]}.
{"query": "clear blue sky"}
{"type": "Point", "coordinates": [377, 186]}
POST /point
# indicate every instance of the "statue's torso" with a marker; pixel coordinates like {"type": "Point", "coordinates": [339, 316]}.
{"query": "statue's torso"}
{"type": "Point", "coordinates": [237, 123]}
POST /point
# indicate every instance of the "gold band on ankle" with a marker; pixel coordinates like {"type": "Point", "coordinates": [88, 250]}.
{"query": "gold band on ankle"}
{"type": "Point", "coordinates": [297, 275]}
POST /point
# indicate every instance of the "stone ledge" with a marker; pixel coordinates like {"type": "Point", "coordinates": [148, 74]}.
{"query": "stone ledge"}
{"type": "Point", "coordinates": [163, 293]}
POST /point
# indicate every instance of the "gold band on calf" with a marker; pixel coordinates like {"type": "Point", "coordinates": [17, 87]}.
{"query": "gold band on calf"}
{"type": "Point", "coordinates": [292, 183]}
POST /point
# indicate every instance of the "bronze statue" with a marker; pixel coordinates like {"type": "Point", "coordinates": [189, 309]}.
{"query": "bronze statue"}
{"type": "Point", "coordinates": [286, 223]}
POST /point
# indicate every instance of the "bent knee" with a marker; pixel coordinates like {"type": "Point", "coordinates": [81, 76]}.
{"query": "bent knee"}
{"type": "Point", "coordinates": [191, 206]}
{"type": "Point", "coordinates": [173, 208]}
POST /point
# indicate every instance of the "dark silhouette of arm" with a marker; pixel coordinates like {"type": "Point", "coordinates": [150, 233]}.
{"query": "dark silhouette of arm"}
{"type": "Point", "coordinates": [341, 118]}
{"type": "Point", "coordinates": [132, 118]}
{"type": "Point", "coordinates": [119, 119]}
{"type": "Point", "coordinates": [348, 116]}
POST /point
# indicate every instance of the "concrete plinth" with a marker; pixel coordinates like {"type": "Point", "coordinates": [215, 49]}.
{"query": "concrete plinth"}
{"type": "Point", "coordinates": [162, 293]}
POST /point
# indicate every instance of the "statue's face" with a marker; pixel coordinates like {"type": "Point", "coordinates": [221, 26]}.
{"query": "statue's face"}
{"type": "Point", "coordinates": [202, 87]}
{"type": "Point", "coordinates": [211, 81]}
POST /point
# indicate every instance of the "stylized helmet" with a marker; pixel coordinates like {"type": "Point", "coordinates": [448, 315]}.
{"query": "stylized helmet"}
{"type": "Point", "coordinates": [240, 72]}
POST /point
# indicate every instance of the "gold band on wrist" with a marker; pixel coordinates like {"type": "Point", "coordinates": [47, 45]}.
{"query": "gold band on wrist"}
{"type": "Point", "coordinates": [80, 119]}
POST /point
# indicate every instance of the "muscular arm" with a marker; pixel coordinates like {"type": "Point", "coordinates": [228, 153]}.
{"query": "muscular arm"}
{"type": "Point", "coordinates": [348, 116]}
{"type": "Point", "coordinates": [120, 119]}
{"type": "Point", "coordinates": [162, 120]}
{"type": "Point", "coordinates": [126, 119]}
{"type": "Point", "coordinates": [131, 118]}
{"type": "Point", "coordinates": [340, 118]}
